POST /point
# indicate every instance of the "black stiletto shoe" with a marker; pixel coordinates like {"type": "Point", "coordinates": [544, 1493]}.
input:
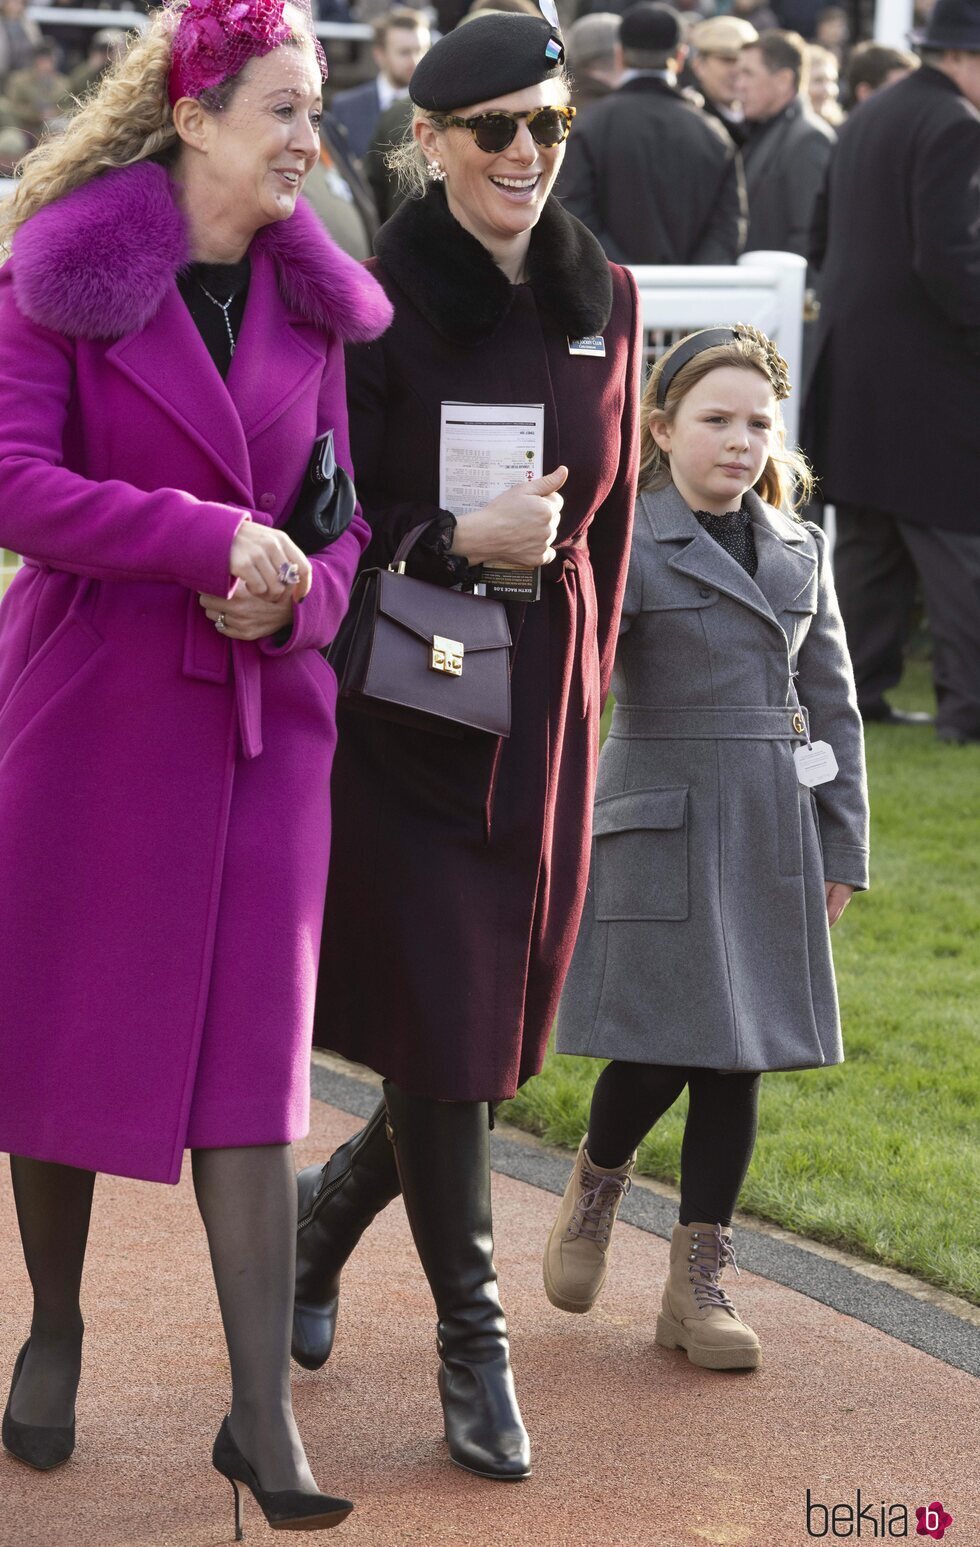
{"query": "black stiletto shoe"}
{"type": "Point", "coordinates": [285, 1510]}
{"type": "Point", "coordinates": [38, 1445]}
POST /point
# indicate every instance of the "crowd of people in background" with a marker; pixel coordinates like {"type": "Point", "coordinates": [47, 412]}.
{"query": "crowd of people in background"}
{"type": "Point", "coordinates": [702, 131]}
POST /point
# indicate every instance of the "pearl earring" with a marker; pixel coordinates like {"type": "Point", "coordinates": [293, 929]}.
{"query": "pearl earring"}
{"type": "Point", "coordinates": [435, 172]}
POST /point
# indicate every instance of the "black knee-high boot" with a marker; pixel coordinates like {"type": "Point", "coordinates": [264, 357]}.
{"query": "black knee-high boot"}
{"type": "Point", "coordinates": [442, 1149]}
{"type": "Point", "coordinates": [337, 1202]}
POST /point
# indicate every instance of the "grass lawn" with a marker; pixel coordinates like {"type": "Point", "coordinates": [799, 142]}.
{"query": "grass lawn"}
{"type": "Point", "coordinates": [880, 1156]}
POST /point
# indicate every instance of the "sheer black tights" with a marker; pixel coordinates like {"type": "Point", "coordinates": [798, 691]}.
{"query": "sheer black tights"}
{"type": "Point", "coordinates": [719, 1134]}
{"type": "Point", "coordinates": [54, 1204]}
{"type": "Point", "coordinates": [247, 1199]}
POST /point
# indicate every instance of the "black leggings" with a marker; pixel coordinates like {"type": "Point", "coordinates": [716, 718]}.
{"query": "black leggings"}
{"type": "Point", "coordinates": [719, 1134]}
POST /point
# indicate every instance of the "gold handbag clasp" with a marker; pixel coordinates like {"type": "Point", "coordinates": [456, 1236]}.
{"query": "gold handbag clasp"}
{"type": "Point", "coordinates": [447, 656]}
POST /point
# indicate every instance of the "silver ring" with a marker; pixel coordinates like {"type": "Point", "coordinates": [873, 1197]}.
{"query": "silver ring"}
{"type": "Point", "coordinates": [219, 622]}
{"type": "Point", "coordinates": [289, 574]}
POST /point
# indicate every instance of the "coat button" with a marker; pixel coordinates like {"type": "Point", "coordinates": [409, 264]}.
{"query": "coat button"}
{"type": "Point", "coordinates": [705, 593]}
{"type": "Point", "coordinates": [267, 502]}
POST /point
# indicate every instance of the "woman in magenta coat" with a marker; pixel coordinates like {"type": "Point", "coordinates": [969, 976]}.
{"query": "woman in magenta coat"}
{"type": "Point", "coordinates": [166, 719]}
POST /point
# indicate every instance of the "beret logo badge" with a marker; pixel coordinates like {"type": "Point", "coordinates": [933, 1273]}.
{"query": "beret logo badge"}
{"type": "Point", "coordinates": [554, 50]}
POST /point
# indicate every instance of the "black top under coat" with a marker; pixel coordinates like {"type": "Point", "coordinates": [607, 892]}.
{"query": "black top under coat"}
{"type": "Point", "coordinates": [223, 280]}
{"type": "Point", "coordinates": [733, 532]}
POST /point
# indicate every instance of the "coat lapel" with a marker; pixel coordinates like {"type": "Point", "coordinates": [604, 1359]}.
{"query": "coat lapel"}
{"type": "Point", "coordinates": [787, 572]}
{"type": "Point", "coordinates": [757, 160]}
{"type": "Point", "coordinates": [261, 395]}
{"type": "Point", "coordinates": [785, 569]}
{"type": "Point", "coordinates": [169, 361]}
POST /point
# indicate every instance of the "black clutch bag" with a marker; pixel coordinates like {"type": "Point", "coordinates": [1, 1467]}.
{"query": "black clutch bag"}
{"type": "Point", "coordinates": [325, 504]}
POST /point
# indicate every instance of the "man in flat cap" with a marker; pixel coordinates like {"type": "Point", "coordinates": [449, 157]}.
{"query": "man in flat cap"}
{"type": "Point", "coordinates": [712, 68]}
{"type": "Point", "coordinates": [650, 174]}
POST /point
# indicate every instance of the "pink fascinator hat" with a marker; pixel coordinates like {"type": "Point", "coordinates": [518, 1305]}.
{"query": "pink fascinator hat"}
{"type": "Point", "coordinates": [214, 39]}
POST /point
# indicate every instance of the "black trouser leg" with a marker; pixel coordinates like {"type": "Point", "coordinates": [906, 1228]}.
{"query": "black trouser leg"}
{"type": "Point", "coordinates": [719, 1137]}
{"type": "Point", "coordinates": [442, 1149]}
{"type": "Point", "coordinates": [336, 1204]}
{"type": "Point", "coordinates": [626, 1102]}
{"type": "Point", "coordinates": [949, 563]}
{"type": "Point", "coordinates": [247, 1199]}
{"type": "Point", "coordinates": [54, 1205]}
{"type": "Point", "coordinates": [875, 579]}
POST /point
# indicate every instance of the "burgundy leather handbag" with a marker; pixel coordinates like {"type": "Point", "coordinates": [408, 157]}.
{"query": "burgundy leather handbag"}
{"type": "Point", "coordinates": [423, 654]}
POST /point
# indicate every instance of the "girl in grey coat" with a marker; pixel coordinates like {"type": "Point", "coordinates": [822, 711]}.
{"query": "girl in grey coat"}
{"type": "Point", "coordinates": [730, 831]}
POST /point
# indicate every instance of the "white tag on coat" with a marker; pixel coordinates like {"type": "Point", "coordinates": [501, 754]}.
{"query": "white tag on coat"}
{"type": "Point", "coordinates": [815, 764]}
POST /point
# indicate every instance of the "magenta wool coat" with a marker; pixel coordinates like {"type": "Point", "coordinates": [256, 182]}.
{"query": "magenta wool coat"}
{"type": "Point", "coordinates": [164, 816]}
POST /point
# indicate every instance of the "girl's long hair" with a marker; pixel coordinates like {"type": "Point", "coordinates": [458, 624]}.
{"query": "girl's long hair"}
{"type": "Point", "coordinates": [786, 480]}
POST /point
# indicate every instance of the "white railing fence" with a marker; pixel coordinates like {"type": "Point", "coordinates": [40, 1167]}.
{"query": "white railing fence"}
{"type": "Point", "coordinates": [763, 288]}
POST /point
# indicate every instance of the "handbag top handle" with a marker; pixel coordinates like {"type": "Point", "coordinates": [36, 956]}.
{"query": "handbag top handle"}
{"type": "Point", "coordinates": [397, 565]}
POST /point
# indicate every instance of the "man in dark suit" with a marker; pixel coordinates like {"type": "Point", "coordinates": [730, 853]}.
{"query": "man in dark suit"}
{"type": "Point", "coordinates": [893, 412]}
{"type": "Point", "coordinates": [401, 37]}
{"type": "Point", "coordinates": [788, 148]}
{"type": "Point", "coordinates": [652, 176]}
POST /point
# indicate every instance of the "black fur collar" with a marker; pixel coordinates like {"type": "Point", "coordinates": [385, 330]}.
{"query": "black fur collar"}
{"type": "Point", "coordinates": [458, 288]}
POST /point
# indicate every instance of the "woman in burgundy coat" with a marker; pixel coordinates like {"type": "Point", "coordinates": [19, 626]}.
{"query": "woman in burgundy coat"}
{"type": "Point", "coordinates": [459, 866]}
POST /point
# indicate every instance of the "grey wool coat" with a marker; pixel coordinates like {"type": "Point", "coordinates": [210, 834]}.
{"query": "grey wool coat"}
{"type": "Point", "coordinates": [704, 939]}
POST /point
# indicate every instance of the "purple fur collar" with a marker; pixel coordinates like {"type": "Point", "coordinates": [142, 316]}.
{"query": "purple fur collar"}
{"type": "Point", "coordinates": [98, 263]}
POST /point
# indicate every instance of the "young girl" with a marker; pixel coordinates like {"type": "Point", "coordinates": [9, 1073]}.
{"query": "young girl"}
{"type": "Point", "coordinates": [731, 828]}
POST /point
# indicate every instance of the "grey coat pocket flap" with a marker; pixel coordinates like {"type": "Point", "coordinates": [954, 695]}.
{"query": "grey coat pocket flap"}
{"type": "Point", "coordinates": [640, 809]}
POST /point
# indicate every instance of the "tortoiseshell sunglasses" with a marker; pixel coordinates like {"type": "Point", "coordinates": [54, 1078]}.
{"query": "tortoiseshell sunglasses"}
{"type": "Point", "coordinates": [493, 132]}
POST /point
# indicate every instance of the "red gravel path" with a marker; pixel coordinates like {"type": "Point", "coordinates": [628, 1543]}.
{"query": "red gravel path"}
{"type": "Point", "coordinates": [632, 1446]}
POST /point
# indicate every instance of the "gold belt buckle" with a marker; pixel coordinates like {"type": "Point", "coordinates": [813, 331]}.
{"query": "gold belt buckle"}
{"type": "Point", "coordinates": [798, 724]}
{"type": "Point", "coordinates": [447, 655]}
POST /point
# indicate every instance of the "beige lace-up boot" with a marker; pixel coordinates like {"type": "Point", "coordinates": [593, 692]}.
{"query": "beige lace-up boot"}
{"type": "Point", "coordinates": [576, 1257]}
{"type": "Point", "coordinates": [696, 1314]}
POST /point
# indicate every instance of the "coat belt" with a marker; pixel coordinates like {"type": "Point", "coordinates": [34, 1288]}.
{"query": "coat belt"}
{"type": "Point", "coordinates": [206, 657]}
{"type": "Point", "coordinates": [575, 572]}
{"type": "Point", "coordinates": [709, 722]}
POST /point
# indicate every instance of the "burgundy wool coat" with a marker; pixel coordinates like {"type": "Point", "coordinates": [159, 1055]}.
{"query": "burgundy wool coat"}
{"type": "Point", "coordinates": [164, 801]}
{"type": "Point", "coordinates": [459, 866]}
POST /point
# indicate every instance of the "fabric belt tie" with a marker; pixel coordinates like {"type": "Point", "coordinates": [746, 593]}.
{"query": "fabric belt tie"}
{"type": "Point", "coordinates": [206, 658]}
{"type": "Point", "coordinates": [575, 574]}
{"type": "Point", "coordinates": [709, 723]}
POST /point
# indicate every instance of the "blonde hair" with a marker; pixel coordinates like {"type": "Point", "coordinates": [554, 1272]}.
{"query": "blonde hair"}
{"type": "Point", "coordinates": [786, 480]}
{"type": "Point", "coordinates": [407, 160]}
{"type": "Point", "coordinates": [127, 119]}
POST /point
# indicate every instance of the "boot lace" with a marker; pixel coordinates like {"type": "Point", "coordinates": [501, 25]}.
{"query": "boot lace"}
{"type": "Point", "coordinates": [594, 1210]}
{"type": "Point", "coordinates": [712, 1254]}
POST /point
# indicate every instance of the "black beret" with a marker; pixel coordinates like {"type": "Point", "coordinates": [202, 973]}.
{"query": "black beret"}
{"type": "Point", "coordinates": [651, 29]}
{"type": "Point", "coordinates": [495, 53]}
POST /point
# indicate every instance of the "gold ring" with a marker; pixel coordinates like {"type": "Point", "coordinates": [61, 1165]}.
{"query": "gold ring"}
{"type": "Point", "coordinates": [219, 621]}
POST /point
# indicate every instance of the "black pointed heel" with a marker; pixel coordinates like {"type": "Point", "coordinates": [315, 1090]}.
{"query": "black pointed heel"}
{"type": "Point", "coordinates": [285, 1510]}
{"type": "Point", "coordinates": [38, 1445]}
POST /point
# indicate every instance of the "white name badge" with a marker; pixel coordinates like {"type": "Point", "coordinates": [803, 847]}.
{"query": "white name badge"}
{"type": "Point", "coordinates": [595, 345]}
{"type": "Point", "coordinates": [815, 764]}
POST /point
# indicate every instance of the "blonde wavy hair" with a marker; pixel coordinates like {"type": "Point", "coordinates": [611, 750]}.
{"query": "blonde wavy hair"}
{"type": "Point", "coordinates": [127, 119]}
{"type": "Point", "coordinates": [786, 480]}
